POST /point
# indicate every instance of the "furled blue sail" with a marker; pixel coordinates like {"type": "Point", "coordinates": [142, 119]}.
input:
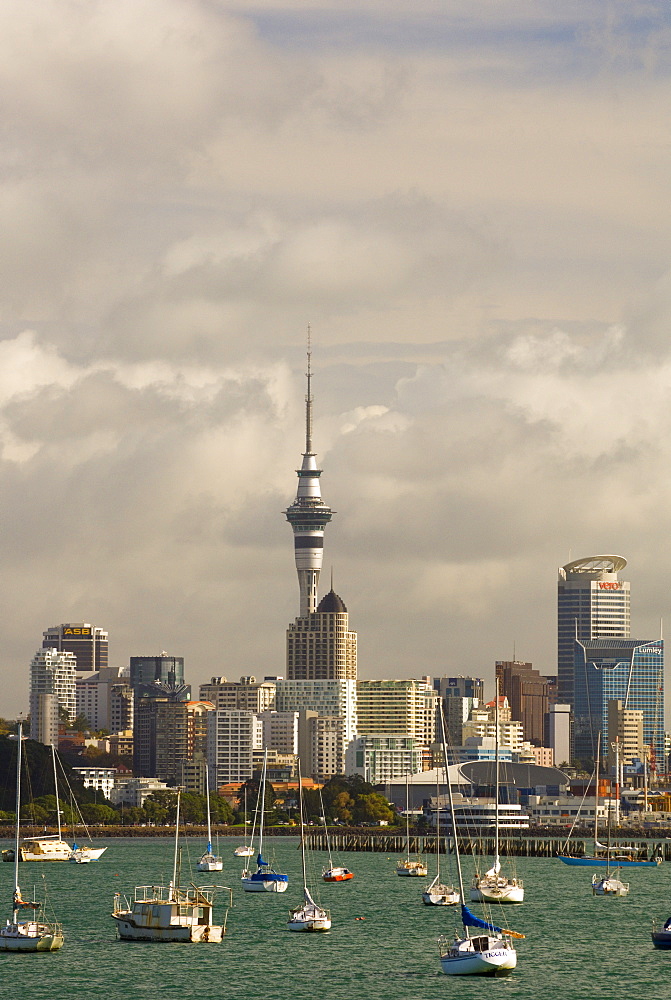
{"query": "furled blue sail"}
{"type": "Point", "coordinates": [470, 920]}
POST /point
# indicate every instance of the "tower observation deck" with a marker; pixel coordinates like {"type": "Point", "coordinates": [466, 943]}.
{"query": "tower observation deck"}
{"type": "Point", "coordinates": [308, 515]}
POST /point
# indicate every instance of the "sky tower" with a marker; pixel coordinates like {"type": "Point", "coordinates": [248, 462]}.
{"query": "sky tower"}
{"type": "Point", "coordinates": [308, 515]}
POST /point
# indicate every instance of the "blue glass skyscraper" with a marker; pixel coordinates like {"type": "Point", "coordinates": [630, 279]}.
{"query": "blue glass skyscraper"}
{"type": "Point", "coordinates": [630, 670]}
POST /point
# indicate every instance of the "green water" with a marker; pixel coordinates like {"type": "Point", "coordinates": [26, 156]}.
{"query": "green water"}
{"type": "Point", "coordinates": [577, 947]}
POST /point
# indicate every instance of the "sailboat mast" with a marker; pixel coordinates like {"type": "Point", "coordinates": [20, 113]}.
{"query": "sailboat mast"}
{"type": "Point", "coordinates": [207, 793]}
{"type": "Point", "coordinates": [174, 864]}
{"type": "Point", "coordinates": [438, 825]}
{"type": "Point", "coordinates": [407, 815]}
{"type": "Point", "coordinates": [58, 805]}
{"type": "Point", "coordinates": [596, 790]}
{"type": "Point", "coordinates": [326, 829]}
{"type": "Point", "coordinates": [300, 805]}
{"type": "Point", "coordinates": [262, 793]}
{"type": "Point", "coordinates": [497, 863]}
{"type": "Point", "coordinates": [454, 820]}
{"type": "Point", "coordinates": [18, 807]}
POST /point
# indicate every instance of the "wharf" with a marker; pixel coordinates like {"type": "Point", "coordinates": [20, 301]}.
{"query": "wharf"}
{"type": "Point", "coordinates": [520, 847]}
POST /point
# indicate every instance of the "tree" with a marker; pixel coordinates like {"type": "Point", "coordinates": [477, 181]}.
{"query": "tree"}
{"type": "Point", "coordinates": [80, 724]}
{"type": "Point", "coordinates": [97, 814]}
{"type": "Point", "coordinates": [372, 808]}
{"type": "Point", "coordinates": [220, 810]}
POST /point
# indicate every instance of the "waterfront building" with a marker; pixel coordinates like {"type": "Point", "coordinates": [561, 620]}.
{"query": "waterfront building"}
{"type": "Point", "coordinates": [528, 696]}
{"type": "Point", "coordinates": [245, 695]}
{"type": "Point", "coordinates": [627, 670]}
{"type": "Point", "coordinates": [232, 738]}
{"type": "Point", "coordinates": [52, 687]}
{"type": "Point", "coordinates": [135, 791]}
{"type": "Point", "coordinates": [592, 603]}
{"type": "Point", "coordinates": [405, 707]}
{"type": "Point", "coordinates": [101, 779]}
{"type": "Point", "coordinates": [379, 759]}
{"type": "Point", "coordinates": [89, 644]}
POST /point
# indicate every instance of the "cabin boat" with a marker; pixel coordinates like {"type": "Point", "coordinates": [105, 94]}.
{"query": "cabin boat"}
{"type": "Point", "coordinates": [166, 913]}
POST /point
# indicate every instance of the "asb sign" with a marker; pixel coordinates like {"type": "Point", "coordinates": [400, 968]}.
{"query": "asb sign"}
{"type": "Point", "coordinates": [76, 633]}
{"type": "Point", "coordinates": [608, 585]}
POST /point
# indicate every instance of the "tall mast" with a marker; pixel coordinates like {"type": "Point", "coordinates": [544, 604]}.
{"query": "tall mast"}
{"type": "Point", "coordinates": [497, 863]}
{"type": "Point", "coordinates": [58, 805]}
{"type": "Point", "coordinates": [17, 891]}
{"type": "Point", "coordinates": [308, 515]}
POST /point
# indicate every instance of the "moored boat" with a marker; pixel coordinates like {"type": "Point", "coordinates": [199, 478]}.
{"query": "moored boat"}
{"type": "Point", "coordinates": [265, 878]}
{"type": "Point", "coordinates": [307, 916]}
{"type": "Point", "coordinates": [209, 862]}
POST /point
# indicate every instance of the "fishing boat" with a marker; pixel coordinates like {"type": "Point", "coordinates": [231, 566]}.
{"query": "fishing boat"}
{"type": "Point", "coordinates": [438, 894]}
{"type": "Point", "coordinates": [245, 850]}
{"type": "Point", "coordinates": [490, 954]}
{"type": "Point", "coordinates": [493, 886]}
{"type": "Point", "coordinates": [332, 873]}
{"type": "Point", "coordinates": [169, 913]}
{"type": "Point", "coordinates": [209, 862]}
{"type": "Point", "coordinates": [308, 916]}
{"type": "Point", "coordinates": [265, 878]}
{"type": "Point", "coordinates": [627, 856]}
{"type": "Point", "coordinates": [34, 933]}
{"type": "Point", "coordinates": [408, 867]}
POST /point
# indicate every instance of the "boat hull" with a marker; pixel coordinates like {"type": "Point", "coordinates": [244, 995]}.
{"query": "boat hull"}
{"type": "Point", "coordinates": [337, 875]}
{"type": "Point", "coordinates": [265, 885]}
{"type": "Point", "coordinates": [29, 938]}
{"type": "Point", "coordinates": [497, 894]}
{"type": "Point", "coordinates": [128, 930]}
{"type": "Point", "coordinates": [412, 869]}
{"type": "Point", "coordinates": [609, 887]}
{"type": "Point", "coordinates": [440, 899]}
{"type": "Point", "coordinates": [314, 924]}
{"type": "Point", "coordinates": [46, 849]}
{"type": "Point", "coordinates": [662, 938]}
{"type": "Point", "coordinates": [210, 864]}
{"type": "Point", "coordinates": [82, 855]}
{"type": "Point", "coordinates": [243, 852]}
{"type": "Point", "coordinates": [603, 862]}
{"type": "Point", "coordinates": [462, 959]}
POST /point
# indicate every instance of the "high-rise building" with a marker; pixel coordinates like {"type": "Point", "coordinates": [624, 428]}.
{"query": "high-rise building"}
{"type": "Point", "coordinates": [320, 646]}
{"type": "Point", "coordinates": [308, 515]}
{"type": "Point", "coordinates": [245, 695]}
{"type": "Point", "coordinates": [158, 675]}
{"type": "Point", "coordinates": [89, 643]}
{"type": "Point", "coordinates": [625, 729]}
{"type": "Point", "coordinates": [324, 697]}
{"type": "Point", "coordinates": [592, 603]}
{"type": "Point", "coordinates": [527, 693]}
{"type": "Point", "coordinates": [105, 699]}
{"type": "Point", "coordinates": [627, 670]}
{"type": "Point", "coordinates": [558, 735]}
{"type": "Point", "coordinates": [379, 759]}
{"type": "Point", "coordinates": [397, 708]}
{"type": "Point", "coordinates": [52, 687]}
{"type": "Point", "coordinates": [460, 695]}
{"type": "Point", "coordinates": [232, 738]}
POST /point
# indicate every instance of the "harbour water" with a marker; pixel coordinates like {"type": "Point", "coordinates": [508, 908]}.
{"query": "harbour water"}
{"type": "Point", "coordinates": [578, 947]}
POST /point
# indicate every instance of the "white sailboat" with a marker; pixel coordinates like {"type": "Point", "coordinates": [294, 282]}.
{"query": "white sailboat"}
{"type": "Point", "coordinates": [332, 873]}
{"type": "Point", "coordinates": [245, 850]}
{"type": "Point", "coordinates": [169, 913]}
{"type": "Point", "coordinates": [34, 933]}
{"type": "Point", "coordinates": [488, 954]}
{"type": "Point", "coordinates": [406, 866]}
{"type": "Point", "coordinates": [265, 878]}
{"type": "Point", "coordinates": [309, 916]}
{"type": "Point", "coordinates": [493, 887]}
{"type": "Point", "coordinates": [209, 862]}
{"type": "Point", "coordinates": [438, 894]}
{"type": "Point", "coordinates": [609, 884]}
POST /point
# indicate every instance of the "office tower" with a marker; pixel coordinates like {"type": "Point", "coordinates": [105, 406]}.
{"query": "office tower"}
{"type": "Point", "coordinates": [325, 697]}
{"type": "Point", "coordinates": [89, 643]}
{"type": "Point", "coordinates": [52, 687]}
{"type": "Point", "coordinates": [320, 646]}
{"type": "Point", "coordinates": [105, 699]}
{"type": "Point", "coordinates": [232, 738]}
{"type": "Point", "coordinates": [245, 695]}
{"type": "Point", "coordinates": [592, 603]}
{"type": "Point", "coordinates": [308, 515]}
{"type": "Point", "coordinates": [558, 734]}
{"type": "Point", "coordinates": [626, 670]}
{"type": "Point", "coordinates": [397, 708]}
{"type": "Point", "coordinates": [527, 694]}
{"type": "Point", "coordinates": [156, 675]}
{"type": "Point", "coordinates": [459, 696]}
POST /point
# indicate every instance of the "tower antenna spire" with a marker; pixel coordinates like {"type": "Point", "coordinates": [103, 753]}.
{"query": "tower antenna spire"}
{"type": "Point", "coordinates": [308, 398]}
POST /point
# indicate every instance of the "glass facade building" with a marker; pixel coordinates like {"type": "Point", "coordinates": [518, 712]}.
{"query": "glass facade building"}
{"type": "Point", "coordinates": [629, 670]}
{"type": "Point", "coordinates": [592, 603]}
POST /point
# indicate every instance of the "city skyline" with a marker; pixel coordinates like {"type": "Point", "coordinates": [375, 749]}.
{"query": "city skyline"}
{"type": "Point", "coordinates": [468, 206]}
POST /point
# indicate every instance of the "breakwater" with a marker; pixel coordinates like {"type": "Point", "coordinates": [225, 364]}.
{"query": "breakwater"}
{"type": "Point", "coordinates": [521, 847]}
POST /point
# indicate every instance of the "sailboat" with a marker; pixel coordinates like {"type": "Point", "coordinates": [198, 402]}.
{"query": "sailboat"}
{"type": "Point", "coordinates": [493, 887]}
{"type": "Point", "coordinates": [332, 873]}
{"type": "Point", "coordinates": [245, 850]}
{"type": "Point", "coordinates": [406, 866]}
{"type": "Point", "coordinates": [308, 916]}
{"type": "Point", "coordinates": [34, 933]}
{"type": "Point", "coordinates": [609, 884]}
{"type": "Point", "coordinates": [489, 954]}
{"type": "Point", "coordinates": [265, 878]}
{"type": "Point", "coordinates": [604, 854]}
{"type": "Point", "coordinates": [438, 894]}
{"type": "Point", "coordinates": [49, 847]}
{"type": "Point", "coordinates": [209, 862]}
{"type": "Point", "coordinates": [169, 913]}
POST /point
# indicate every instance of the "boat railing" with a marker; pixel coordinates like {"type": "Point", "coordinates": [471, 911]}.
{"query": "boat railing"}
{"type": "Point", "coordinates": [193, 896]}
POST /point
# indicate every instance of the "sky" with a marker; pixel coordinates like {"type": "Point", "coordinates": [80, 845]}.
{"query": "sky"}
{"type": "Point", "coordinates": [468, 201]}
